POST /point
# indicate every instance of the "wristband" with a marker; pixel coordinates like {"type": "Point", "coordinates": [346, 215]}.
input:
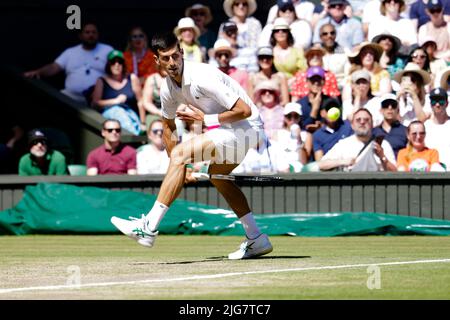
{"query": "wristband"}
{"type": "Point", "coordinates": [211, 120]}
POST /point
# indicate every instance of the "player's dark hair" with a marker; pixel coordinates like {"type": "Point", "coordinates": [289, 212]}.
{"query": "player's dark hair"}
{"type": "Point", "coordinates": [163, 42]}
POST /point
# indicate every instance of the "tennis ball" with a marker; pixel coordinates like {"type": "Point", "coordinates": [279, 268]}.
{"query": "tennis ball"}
{"type": "Point", "coordinates": [333, 114]}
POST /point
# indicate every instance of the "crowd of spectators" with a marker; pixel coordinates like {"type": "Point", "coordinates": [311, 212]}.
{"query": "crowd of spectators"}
{"type": "Point", "coordinates": [342, 85]}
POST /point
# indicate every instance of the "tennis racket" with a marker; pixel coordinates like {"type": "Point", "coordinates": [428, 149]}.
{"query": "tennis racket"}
{"type": "Point", "coordinates": [207, 176]}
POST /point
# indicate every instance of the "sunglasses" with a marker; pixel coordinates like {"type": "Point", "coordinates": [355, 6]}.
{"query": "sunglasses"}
{"type": "Point", "coordinates": [418, 56]}
{"type": "Point", "coordinates": [392, 104]}
{"type": "Point", "coordinates": [440, 102]}
{"type": "Point", "coordinates": [220, 54]}
{"type": "Point", "coordinates": [198, 13]}
{"type": "Point", "coordinates": [265, 57]}
{"type": "Point", "coordinates": [237, 4]}
{"type": "Point", "coordinates": [118, 130]}
{"type": "Point", "coordinates": [291, 9]}
{"type": "Point", "coordinates": [331, 33]}
{"type": "Point", "coordinates": [433, 11]}
{"type": "Point", "coordinates": [336, 6]}
{"type": "Point", "coordinates": [231, 32]}
{"type": "Point", "coordinates": [265, 91]}
{"type": "Point", "coordinates": [395, 1]}
{"type": "Point", "coordinates": [292, 115]}
{"type": "Point", "coordinates": [137, 36]}
{"type": "Point", "coordinates": [35, 142]}
{"type": "Point", "coordinates": [157, 131]}
{"type": "Point", "coordinates": [280, 30]}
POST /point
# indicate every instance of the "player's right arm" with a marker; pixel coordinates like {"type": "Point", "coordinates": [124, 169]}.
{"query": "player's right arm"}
{"type": "Point", "coordinates": [169, 140]}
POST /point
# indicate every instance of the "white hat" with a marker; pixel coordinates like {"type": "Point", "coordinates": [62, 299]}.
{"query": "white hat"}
{"type": "Point", "coordinates": [228, 7]}
{"type": "Point", "coordinates": [185, 23]}
{"type": "Point", "coordinates": [266, 85]}
{"type": "Point", "coordinates": [360, 74]}
{"type": "Point", "coordinates": [280, 24]}
{"type": "Point", "coordinates": [388, 96]}
{"type": "Point", "coordinates": [223, 45]}
{"type": "Point", "coordinates": [293, 107]}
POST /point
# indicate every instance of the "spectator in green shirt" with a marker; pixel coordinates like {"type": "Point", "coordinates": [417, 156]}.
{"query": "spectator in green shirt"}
{"type": "Point", "coordinates": [41, 160]}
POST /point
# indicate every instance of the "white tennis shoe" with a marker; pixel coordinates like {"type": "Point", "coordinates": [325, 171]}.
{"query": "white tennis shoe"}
{"type": "Point", "coordinates": [136, 229]}
{"type": "Point", "coordinates": [252, 248]}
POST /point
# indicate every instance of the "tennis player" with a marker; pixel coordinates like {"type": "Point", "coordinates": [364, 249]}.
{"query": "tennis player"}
{"type": "Point", "coordinates": [234, 126]}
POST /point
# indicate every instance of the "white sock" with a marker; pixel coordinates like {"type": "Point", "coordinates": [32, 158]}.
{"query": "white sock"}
{"type": "Point", "coordinates": [251, 229]}
{"type": "Point", "coordinates": [155, 215]}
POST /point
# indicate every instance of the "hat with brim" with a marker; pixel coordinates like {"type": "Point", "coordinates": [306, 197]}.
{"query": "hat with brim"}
{"type": "Point", "coordinates": [293, 107]}
{"type": "Point", "coordinates": [265, 85]}
{"type": "Point", "coordinates": [360, 74]}
{"type": "Point", "coordinates": [444, 78]}
{"type": "Point", "coordinates": [280, 24]}
{"type": "Point", "coordinates": [186, 23]}
{"type": "Point", "coordinates": [223, 45]}
{"type": "Point", "coordinates": [411, 67]}
{"type": "Point", "coordinates": [355, 55]}
{"type": "Point", "coordinates": [396, 43]}
{"type": "Point", "coordinates": [314, 51]}
{"type": "Point", "coordinates": [228, 7]}
{"type": "Point", "coordinates": [199, 7]}
{"type": "Point", "coordinates": [264, 51]}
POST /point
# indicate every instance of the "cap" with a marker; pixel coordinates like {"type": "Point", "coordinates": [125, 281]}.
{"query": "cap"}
{"type": "Point", "coordinates": [315, 71]}
{"type": "Point", "coordinates": [229, 26]}
{"type": "Point", "coordinates": [438, 93]}
{"type": "Point", "coordinates": [434, 4]}
{"type": "Point", "coordinates": [360, 74]}
{"type": "Point", "coordinates": [264, 51]}
{"type": "Point", "coordinates": [36, 134]}
{"type": "Point", "coordinates": [115, 54]}
{"type": "Point", "coordinates": [333, 2]}
{"type": "Point", "coordinates": [282, 4]}
{"type": "Point", "coordinates": [388, 96]}
{"type": "Point", "coordinates": [292, 107]}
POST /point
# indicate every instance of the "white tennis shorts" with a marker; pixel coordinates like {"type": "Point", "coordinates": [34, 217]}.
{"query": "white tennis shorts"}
{"type": "Point", "coordinates": [232, 144]}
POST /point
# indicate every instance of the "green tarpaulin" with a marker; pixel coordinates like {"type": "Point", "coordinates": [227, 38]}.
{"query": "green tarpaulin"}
{"type": "Point", "coordinates": [66, 209]}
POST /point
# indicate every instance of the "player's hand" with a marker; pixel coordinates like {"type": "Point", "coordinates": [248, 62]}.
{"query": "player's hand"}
{"type": "Point", "coordinates": [191, 113]}
{"type": "Point", "coordinates": [189, 178]}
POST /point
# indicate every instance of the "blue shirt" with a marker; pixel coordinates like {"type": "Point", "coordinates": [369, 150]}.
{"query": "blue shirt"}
{"type": "Point", "coordinates": [417, 11]}
{"type": "Point", "coordinates": [396, 137]}
{"type": "Point", "coordinates": [349, 32]}
{"type": "Point", "coordinates": [325, 138]}
{"type": "Point", "coordinates": [306, 110]}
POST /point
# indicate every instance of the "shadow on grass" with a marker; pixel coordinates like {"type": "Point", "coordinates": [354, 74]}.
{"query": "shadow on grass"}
{"type": "Point", "coordinates": [222, 258]}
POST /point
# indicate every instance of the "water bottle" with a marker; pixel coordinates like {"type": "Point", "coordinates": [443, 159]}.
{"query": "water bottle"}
{"type": "Point", "coordinates": [295, 130]}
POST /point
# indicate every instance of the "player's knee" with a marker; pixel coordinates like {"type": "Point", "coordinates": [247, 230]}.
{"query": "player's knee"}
{"type": "Point", "coordinates": [178, 156]}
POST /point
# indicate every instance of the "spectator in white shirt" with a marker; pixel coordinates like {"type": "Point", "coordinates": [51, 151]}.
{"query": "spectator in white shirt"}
{"type": "Point", "coordinates": [152, 158]}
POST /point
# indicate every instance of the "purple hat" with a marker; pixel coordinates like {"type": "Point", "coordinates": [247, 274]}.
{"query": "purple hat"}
{"type": "Point", "coordinates": [315, 71]}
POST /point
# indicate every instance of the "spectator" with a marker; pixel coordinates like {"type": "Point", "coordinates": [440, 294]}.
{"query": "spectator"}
{"type": "Point", "coordinates": [349, 30]}
{"type": "Point", "coordinates": [299, 88]}
{"type": "Point", "coordinates": [436, 29]}
{"type": "Point", "coordinates": [391, 20]}
{"type": "Point", "coordinates": [301, 29]}
{"type": "Point", "coordinates": [436, 64]}
{"type": "Point", "coordinates": [438, 126]}
{"type": "Point", "coordinates": [41, 160]}
{"type": "Point", "coordinates": [112, 157]}
{"type": "Point", "coordinates": [360, 152]}
{"type": "Point", "coordinates": [266, 97]}
{"type": "Point", "coordinates": [416, 156]}
{"type": "Point", "coordinates": [119, 96]}
{"type": "Point", "coordinates": [335, 59]}
{"type": "Point", "coordinates": [9, 149]}
{"type": "Point", "coordinates": [331, 132]}
{"type": "Point", "coordinates": [139, 59]}
{"type": "Point", "coordinates": [420, 57]}
{"type": "Point", "coordinates": [303, 9]}
{"type": "Point", "coordinates": [224, 53]}
{"type": "Point", "coordinates": [287, 58]}
{"type": "Point", "coordinates": [321, 11]}
{"type": "Point", "coordinates": [361, 97]}
{"type": "Point", "coordinates": [411, 95]}
{"type": "Point", "coordinates": [249, 28]}
{"type": "Point", "coordinates": [202, 17]}
{"type": "Point", "coordinates": [315, 79]}
{"type": "Point", "coordinates": [267, 71]}
{"type": "Point", "coordinates": [82, 64]}
{"type": "Point", "coordinates": [187, 33]}
{"type": "Point", "coordinates": [391, 129]}
{"type": "Point", "coordinates": [152, 158]}
{"type": "Point", "coordinates": [367, 56]}
{"type": "Point", "coordinates": [418, 13]}
{"type": "Point", "coordinates": [151, 99]}
{"type": "Point", "coordinates": [390, 59]}
{"type": "Point", "coordinates": [371, 11]}
{"type": "Point", "coordinates": [296, 141]}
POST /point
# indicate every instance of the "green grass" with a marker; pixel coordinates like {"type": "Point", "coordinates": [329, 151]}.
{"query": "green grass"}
{"type": "Point", "coordinates": [32, 261]}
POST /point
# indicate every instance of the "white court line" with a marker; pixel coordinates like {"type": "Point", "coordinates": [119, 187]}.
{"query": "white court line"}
{"type": "Point", "coordinates": [214, 276]}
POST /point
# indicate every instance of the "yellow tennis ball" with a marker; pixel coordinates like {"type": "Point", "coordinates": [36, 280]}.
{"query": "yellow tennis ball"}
{"type": "Point", "coordinates": [334, 114]}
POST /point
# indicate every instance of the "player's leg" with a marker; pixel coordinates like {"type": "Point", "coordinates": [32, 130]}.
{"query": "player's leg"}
{"type": "Point", "coordinates": [144, 230]}
{"type": "Point", "coordinates": [257, 243]}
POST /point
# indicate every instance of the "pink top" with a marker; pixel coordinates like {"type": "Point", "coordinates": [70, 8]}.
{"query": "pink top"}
{"type": "Point", "coordinates": [273, 119]}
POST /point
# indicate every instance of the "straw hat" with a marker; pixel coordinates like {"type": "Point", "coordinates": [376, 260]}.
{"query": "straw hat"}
{"type": "Point", "coordinates": [314, 51]}
{"type": "Point", "coordinates": [223, 45]}
{"type": "Point", "coordinates": [228, 7]}
{"type": "Point", "coordinates": [412, 67]}
{"type": "Point", "coordinates": [355, 55]}
{"type": "Point", "coordinates": [444, 77]}
{"type": "Point", "coordinates": [265, 85]}
{"type": "Point", "coordinates": [200, 7]}
{"type": "Point", "coordinates": [396, 41]}
{"type": "Point", "coordinates": [186, 23]}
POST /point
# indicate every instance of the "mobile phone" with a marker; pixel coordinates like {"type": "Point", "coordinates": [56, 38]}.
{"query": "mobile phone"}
{"type": "Point", "coordinates": [379, 139]}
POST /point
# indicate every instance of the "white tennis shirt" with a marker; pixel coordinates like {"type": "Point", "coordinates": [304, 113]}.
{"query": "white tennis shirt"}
{"type": "Point", "coordinates": [210, 90]}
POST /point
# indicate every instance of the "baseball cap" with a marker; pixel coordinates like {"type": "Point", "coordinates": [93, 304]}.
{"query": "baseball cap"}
{"type": "Point", "coordinates": [115, 54]}
{"type": "Point", "coordinates": [388, 97]}
{"type": "Point", "coordinates": [438, 93]}
{"type": "Point", "coordinates": [434, 4]}
{"type": "Point", "coordinates": [284, 4]}
{"type": "Point", "coordinates": [360, 74]}
{"type": "Point", "coordinates": [36, 134]}
{"type": "Point", "coordinates": [292, 107]}
{"type": "Point", "coordinates": [333, 2]}
{"type": "Point", "coordinates": [229, 26]}
{"type": "Point", "coordinates": [315, 71]}
{"type": "Point", "coordinates": [264, 51]}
